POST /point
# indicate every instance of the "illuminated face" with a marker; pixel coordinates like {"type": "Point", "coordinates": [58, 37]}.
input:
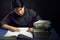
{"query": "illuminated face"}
{"type": "Point", "coordinates": [20, 11]}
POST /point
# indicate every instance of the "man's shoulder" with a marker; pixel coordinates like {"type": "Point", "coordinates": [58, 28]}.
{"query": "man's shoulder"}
{"type": "Point", "coordinates": [33, 12]}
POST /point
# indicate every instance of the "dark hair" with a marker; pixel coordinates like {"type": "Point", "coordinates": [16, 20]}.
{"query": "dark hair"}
{"type": "Point", "coordinates": [17, 3]}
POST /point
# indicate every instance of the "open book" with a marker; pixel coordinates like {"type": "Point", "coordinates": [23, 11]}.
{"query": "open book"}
{"type": "Point", "coordinates": [23, 31]}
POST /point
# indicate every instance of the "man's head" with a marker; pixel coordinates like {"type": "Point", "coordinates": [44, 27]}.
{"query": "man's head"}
{"type": "Point", "coordinates": [18, 7]}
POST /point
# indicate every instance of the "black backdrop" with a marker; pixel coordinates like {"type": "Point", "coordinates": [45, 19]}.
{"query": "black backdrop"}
{"type": "Point", "coordinates": [47, 9]}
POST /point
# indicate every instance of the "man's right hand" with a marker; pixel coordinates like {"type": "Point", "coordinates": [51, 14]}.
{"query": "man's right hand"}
{"type": "Point", "coordinates": [14, 29]}
{"type": "Point", "coordinates": [11, 28]}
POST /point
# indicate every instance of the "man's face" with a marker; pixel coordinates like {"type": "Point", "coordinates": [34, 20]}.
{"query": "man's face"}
{"type": "Point", "coordinates": [20, 11]}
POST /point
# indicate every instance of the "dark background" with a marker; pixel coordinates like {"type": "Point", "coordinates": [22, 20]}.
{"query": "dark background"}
{"type": "Point", "coordinates": [47, 9]}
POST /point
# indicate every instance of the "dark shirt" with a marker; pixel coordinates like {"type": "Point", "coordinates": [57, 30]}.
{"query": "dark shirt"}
{"type": "Point", "coordinates": [26, 20]}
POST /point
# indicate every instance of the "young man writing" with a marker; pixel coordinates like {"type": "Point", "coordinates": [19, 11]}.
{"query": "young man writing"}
{"type": "Point", "coordinates": [21, 17]}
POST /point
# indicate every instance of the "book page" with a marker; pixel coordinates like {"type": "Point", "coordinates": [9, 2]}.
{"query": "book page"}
{"type": "Point", "coordinates": [23, 31]}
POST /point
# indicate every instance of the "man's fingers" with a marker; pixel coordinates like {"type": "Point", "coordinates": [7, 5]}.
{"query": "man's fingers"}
{"type": "Point", "coordinates": [30, 30]}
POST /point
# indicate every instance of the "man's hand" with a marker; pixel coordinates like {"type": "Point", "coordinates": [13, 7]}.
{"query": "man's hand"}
{"type": "Point", "coordinates": [11, 28]}
{"type": "Point", "coordinates": [30, 30]}
{"type": "Point", "coordinates": [14, 29]}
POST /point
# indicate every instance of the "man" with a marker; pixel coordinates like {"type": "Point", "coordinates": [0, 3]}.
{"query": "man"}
{"type": "Point", "coordinates": [21, 17]}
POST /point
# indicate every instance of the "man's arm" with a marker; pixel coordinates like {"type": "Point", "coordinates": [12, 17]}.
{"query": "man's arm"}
{"type": "Point", "coordinates": [35, 17]}
{"type": "Point", "coordinates": [11, 28]}
{"type": "Point", "coordinates": [4, 24]}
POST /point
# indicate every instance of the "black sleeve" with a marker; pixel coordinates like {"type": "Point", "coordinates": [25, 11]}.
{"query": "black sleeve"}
{"type": "Point", "coordinates": [6, 20]}
{"type": "Point", "coordinates": [35, 16]}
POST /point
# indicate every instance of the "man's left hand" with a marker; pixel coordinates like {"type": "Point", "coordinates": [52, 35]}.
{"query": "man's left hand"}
{"type": "Point", "coordinates": [30, 30]}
